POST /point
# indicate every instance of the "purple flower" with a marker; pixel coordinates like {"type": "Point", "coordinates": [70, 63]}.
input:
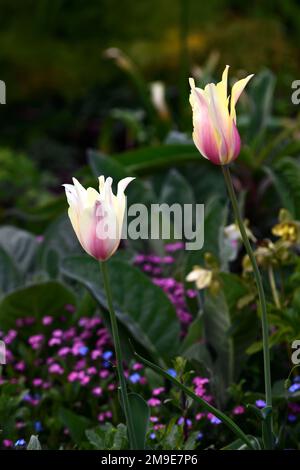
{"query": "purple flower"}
{"type": "Point", "coordinates": [134, 378]}
{"type": "Point", "coordinates": [260, 403]}
{"type": "Point", "coordinates": [294, 388]}
{"type": "Point", "coordinates": [20, 443]}
{"type": "Point", "coordinates": [47, 320]}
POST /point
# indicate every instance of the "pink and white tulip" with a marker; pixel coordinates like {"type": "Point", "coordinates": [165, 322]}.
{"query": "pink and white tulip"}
{"type": "Point", "coordinates": [214, 119]}
{"type": "Point", "coordinates": [97, 217]}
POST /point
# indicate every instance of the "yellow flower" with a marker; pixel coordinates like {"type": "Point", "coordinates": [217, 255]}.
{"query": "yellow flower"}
{"type": "Point", "coordinates": [202, 277]}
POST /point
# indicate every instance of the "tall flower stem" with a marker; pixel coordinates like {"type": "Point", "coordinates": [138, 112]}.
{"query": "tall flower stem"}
{"type": "Point", "coordinates": [119, 364]}
{"type": "Point", "coordinates": [261, 295]}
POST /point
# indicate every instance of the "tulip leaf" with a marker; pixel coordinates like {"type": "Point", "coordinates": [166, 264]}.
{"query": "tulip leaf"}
{"type": "Point", "coordinates": [140, 413]}
{"type": "Point", "coordinates": [142, 307]}
{"type": "Point", "coordinates": [37, 300]}
{"type": "Point", "coordinates": [217, 324]}
{"type": "Point", "coordinates": [146, 160]}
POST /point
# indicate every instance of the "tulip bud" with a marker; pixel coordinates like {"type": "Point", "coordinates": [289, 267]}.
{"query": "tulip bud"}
{"type": "Point", "coordinates": [97, 217]}
{"type": "Point", "coordinates": [215, 132]}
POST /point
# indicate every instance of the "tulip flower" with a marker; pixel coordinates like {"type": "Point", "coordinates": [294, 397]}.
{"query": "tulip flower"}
{"type": "Point", "coordinates": [97, 217]}
{"type": "Point", "coordinates": [214, 119]}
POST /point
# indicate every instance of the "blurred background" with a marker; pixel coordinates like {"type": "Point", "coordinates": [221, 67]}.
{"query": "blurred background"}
{"type": "Point", "coordinates": [101, 87]}
{"type": "Point", "coordinates": [68, 90]}
{"type": "Point", "coordinates": [112, 76]}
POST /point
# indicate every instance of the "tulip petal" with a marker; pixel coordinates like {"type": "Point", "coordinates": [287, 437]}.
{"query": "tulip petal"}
{"type": "Point", "coordinates": [236, 92]}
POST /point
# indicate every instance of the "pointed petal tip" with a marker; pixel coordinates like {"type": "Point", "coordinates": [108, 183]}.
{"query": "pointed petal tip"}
{"type": "Point", "coordinates": [192, 83]}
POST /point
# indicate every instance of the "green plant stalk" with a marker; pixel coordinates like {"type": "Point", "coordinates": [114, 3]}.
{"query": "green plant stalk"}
{"type": "Point", "coordinates": [117, 345]}
{"type": "Point", "coordinates": [273, 287]}
{"type": "Point", "coordinates": [219, 414]}
{"type": "Point", "coordinates": [261, 295]}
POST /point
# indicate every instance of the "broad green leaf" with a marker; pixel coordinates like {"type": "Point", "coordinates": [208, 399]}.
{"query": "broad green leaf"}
{"type": "Point", "coordinates": [9, 274]}
{"type": "Point", "coordinates": [140, 305]}
{"type": "Point", "coordinates": [285, 176]}
{"type": "Point", "coordinates": [75, 423]}
{"type": "Point", "coordinates": [261, 91]}
{"type": "Point", "coordinates": [149, 159]}
{"type": "Point", "coordinates": [37, 300]}
{"type": "Point", "coordinates": [140, 413]}
{"type": "Point", "coordinates": [59, 241]}
{"type": "Point", "coordinates": [217, 323]}
{"type": "Point", "coordinates": [20, 245]}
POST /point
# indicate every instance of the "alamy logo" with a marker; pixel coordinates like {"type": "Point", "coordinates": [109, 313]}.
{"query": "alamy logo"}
{"type": "Point", "coordinates": [2, 92]}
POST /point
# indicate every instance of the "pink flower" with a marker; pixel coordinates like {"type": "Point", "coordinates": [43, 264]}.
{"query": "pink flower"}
{"type": "Point", "coordinates": [238, 410]}
{"type": "Point", "coordinates": [56, 369]}
{"type": "Point", "coordinates": [20, 366]}
{"type": "Point", "coordinates": [73, 376]}
{"type": "Point", "coordinates": [97, 391]}
{"type": "Point", "coordinates": [54, 342]}
{"type": "Point", "coordinates": [97, 217]}
{"type": "Point", "coordinates": [63, 351]}
{"type": "Point", "coordinates": [47, 320]}
{"type": "Point", "coordinates": [215, 132]}
{"type": "Point", "coordinates": [37, 382]}
{"type": "Point", "coordinates": [158, 391]}
{"type": "Point", "coordinates": [95, 354]}
{"type": "Point", "coordinates": [7, 443]}
{"type": "Point", "coordinates": [154, 402]}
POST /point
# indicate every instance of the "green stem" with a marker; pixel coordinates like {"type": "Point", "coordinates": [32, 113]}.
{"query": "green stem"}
{"type": "Point", "coordinates": [117, 345]}
{"type": "Point", "coordinates": [261, 294]}
{"type": "Point", "coordinates": [227, 421]}
{"type": "Point", "coordinates": [273, 287]}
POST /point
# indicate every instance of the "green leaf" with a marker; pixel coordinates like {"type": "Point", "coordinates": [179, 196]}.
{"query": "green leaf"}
{"type": "Point", "coordinates": [20, 245]}
{"type": "Point", "coordinates": [261, 93]}
{"type": "Point", "coordinates": [140, 413]}
{"type": "Point", "coordinates": [217, 324]}
{"type": "Point", "coordinates": [34, 443]}
{"type": "Point", "coordinates": [140, 305]}
{"type": "Point", "coordinates": [285, 176]}
{"type": "Point", "coordinates": [59, 242]}
{"type": "Point", "coordinates": [194, 333]}
{"type": "Point", "coordinates": [238, 444]}
{"type": "Point", "coordinates": [9, 274]}
{"type": "Point", "coordinates": [75, 423]}
{"type": "Point", "coordinates": [149, 159]}
{"type": "Point", "coordinates": [37, 300]}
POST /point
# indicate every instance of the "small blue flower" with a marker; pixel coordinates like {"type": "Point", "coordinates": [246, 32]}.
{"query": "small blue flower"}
{"type": "Point", "coordinates": [83, 350]}
{"type": "Point", "coordinates": [292, 418]}
{"type": "Point", "coordinates": [135, 378]}
{"type": "Point", "coordinates": [260, 403]}
{"type": "Point", "coordinates": [215, 420]}
{"type": "Point", "coordinates": [27, 397]}
{"type": "Point", "coordinates": [200, 436]}
{"type": "Point", "coordinates": [152, 435]}
{"type": "Point", "coordinates": [20, 443]}
{"type": "Point", "coordinates": [181, 421]}
{"type": "Point", "coordinates": [172, 372]}
{"type": "Point", "coordinates": [297, 379]}
{"type": "Point", "coordinates": [38, 426]}
{"type": "Point", "coordinates": [293, 388]}
{"type": "Point", "coordinates": [107, 355]}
